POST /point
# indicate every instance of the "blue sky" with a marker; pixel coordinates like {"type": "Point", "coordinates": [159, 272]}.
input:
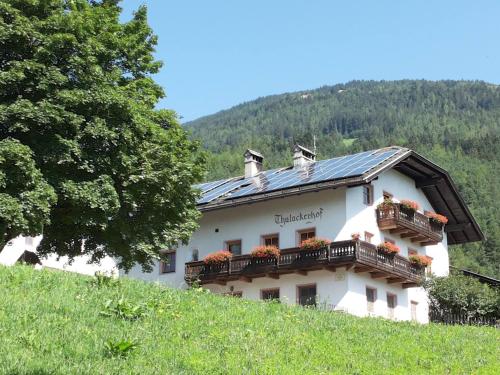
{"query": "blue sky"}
{"type": "Point", "coordinates": [218, 54]}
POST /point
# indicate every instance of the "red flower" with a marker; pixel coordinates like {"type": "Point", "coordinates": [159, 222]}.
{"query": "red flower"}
{"type": "Point", "coordinates": [265, 252]}
{"type": "Point", "coordinates": [220, 256]}
{"type": "Point", "coordinates": [441, 219]}
{"type": "Point", "coordinates": [314, 243]}
{"type": "Point", "coordinates": [388, 248]}
{"type": "Point", "coordinates": [420, 260]}
{"type": "Point", "coordinates": [355, 236]}
{"type": "Point", "coordinates": [411, 205]}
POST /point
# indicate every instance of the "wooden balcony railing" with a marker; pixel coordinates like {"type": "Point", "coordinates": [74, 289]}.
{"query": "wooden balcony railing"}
{"type": "Point", "coordinates": [360, 255]}
{"type": "Point", "coordinates": [409, 224]}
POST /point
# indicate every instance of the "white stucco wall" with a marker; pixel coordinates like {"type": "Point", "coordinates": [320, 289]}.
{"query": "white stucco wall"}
{"type": "Point", "coordinates": [249, 223]}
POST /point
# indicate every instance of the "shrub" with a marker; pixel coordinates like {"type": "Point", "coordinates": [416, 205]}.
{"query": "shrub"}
{"type": "Point", "coordinates": [218, 257]}
{"type": "Point", "coordinates": [420, 260]}
{"type": "Point", "coordinates": [462, 295]}
{"type": "Point", "coordinates": [388, 248]}
{"type": "Point", "coordinates": [410, 205]}
{"type": "Point", "coordinates": [265, 252]}
{"type": "Point", "coordinates": [437, 218]}
{"type": "Point", "coordinates": [314, 243]}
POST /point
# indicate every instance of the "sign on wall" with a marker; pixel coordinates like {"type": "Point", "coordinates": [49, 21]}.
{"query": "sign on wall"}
{"type": "Point", "coordinates": [307, 217]}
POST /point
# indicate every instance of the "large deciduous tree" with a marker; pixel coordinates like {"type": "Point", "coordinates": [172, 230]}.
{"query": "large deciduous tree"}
{"type": "Point", "coordinates": [76, 95]}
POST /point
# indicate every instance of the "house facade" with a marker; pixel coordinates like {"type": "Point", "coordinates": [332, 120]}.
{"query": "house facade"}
{"type": "Point", "coordinates": [339, 200]}
{"type": "Point", "coordinates": [355, 202]}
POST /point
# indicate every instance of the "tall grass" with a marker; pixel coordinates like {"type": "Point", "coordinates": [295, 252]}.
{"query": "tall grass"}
{"type": "Point", "coordinates": [61, 323]}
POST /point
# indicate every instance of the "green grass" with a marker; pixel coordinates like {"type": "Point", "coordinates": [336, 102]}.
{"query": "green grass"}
{"type": "Point", "coordinates": [60, 323]}
{"type": "Point", "coordinates": [348, 141]}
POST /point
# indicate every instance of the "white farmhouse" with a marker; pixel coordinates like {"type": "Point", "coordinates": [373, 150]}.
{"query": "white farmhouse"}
{"type": "Point", "coordinates": [337, 199]}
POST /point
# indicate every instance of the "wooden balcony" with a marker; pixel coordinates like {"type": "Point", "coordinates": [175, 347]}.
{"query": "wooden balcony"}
{"type": "Point", "coordinates": [409, 224]}
{"type": "Point", "coordinates": [358, 255]}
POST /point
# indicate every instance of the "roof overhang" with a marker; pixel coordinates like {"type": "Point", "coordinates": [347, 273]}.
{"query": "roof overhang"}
{"type": "Point", "coordinates": [434, 181]}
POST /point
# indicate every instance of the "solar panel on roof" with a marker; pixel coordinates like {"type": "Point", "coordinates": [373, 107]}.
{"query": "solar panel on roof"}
{"type": "Point", "coordinates": [276, 179]}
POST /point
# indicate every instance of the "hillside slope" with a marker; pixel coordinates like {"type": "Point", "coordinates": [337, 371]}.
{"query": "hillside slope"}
{"type": "Point", "coordinates": [454, 123]}
{"type": "Point", "coordinates": [60, 323]}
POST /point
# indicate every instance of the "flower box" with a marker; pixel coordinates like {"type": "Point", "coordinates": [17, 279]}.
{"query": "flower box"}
{"type": "Point", "coordinates": [437, 218]}
{"type": "Point", "coordinates": [420, 260]}
{"type": "Point", "coordinates": [265, 252]}
{"type": "Point", "coordinates": [388, 248]}
{"type": "Point", "coordinates": [218, 257]}
{"type": "Point", "coordinates": [410, 205]}
{"type": "Point", "coordinates": [387, 203]}
{"type": "Point", "coordinates": [314, 244]}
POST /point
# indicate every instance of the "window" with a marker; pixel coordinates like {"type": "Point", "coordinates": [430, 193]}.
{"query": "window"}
{"type": "Point", "coordinates": [305, 234]}
{"type": "Point", "coordinates": [270, 294]}
{"type": "Point", "coordinates": [368, 195]}
{"type": "Point", "coordinates": [414, 305]}
{"type": "Point", "coordinates": [368, 237]}
{"type": "Point", "coordinates": [391, 305]}
{"type": "Point", "coordinates": [167, 265]}
{"type": "Point", "coordinates": [306, 295]}
{"type": "Point", "coordinates": [387, 195]}
{"type": "Point", "coordinates": [195, 255]}
{"type": "Point", "coordinates": [234, 247]}
{"type": "Point", "coordinates": [271, 240]}
{"type": "Point", "coordinates": [371, 297]}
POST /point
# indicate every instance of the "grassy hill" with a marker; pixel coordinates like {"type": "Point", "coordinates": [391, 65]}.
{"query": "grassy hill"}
{"type": "Point", "coordinates": [454, 123]}
{"type": "Point", "coordinates": [60, 323]}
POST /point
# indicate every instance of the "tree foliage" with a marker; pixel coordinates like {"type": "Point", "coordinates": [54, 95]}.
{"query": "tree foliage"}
{"type": "Point", "coordinates": [463, 295]}
{"type": "Point", "coordinates": [454, 123]}
{"type": "Point", "coordinates": [76, 88]}
{"type": "Point", "coordinates": [25, 197]}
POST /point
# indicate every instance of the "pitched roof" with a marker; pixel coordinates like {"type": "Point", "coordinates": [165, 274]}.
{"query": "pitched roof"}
{"type": "Point", "coordinates": [349, 170]}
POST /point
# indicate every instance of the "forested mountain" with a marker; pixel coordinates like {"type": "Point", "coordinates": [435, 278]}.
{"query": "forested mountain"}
{"type": "Point", "coordinates": [454, 123]}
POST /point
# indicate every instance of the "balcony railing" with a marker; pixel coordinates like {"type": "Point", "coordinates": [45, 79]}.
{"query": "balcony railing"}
{"type": "Point", "coordinates": [360, 255]}
{"type": "Point", "coordinates": [409, 224]}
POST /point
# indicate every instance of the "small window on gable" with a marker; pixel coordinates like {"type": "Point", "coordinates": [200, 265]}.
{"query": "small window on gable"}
{"type": "Point", "coordinates": [387, 195]}
{"type": "Point", "coordinates": [271, 240]}
{"type": "Point", "coordinates": [368, 237]}
{"type": "Point", "coordinates": [234, 247]}
{"type": "Point", "coordinates": [167, 264]}
{"type": "Point", "coordinates": [305, 234]}
{"type": "Point", "coordinates": [368, 195]}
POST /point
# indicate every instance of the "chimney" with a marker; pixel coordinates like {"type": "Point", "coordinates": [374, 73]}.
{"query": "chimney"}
{"type": "Point", "coordinates": [302, 156]}
{"type": "Point", "coordinates": [253, 163]}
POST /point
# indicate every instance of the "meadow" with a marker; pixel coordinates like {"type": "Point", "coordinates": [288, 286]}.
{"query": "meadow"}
{"type": "Point", "coordinates": [54, 322]}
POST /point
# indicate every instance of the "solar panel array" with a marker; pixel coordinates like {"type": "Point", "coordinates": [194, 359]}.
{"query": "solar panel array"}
{"type": "Point", "coordinates": [277, 179]}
